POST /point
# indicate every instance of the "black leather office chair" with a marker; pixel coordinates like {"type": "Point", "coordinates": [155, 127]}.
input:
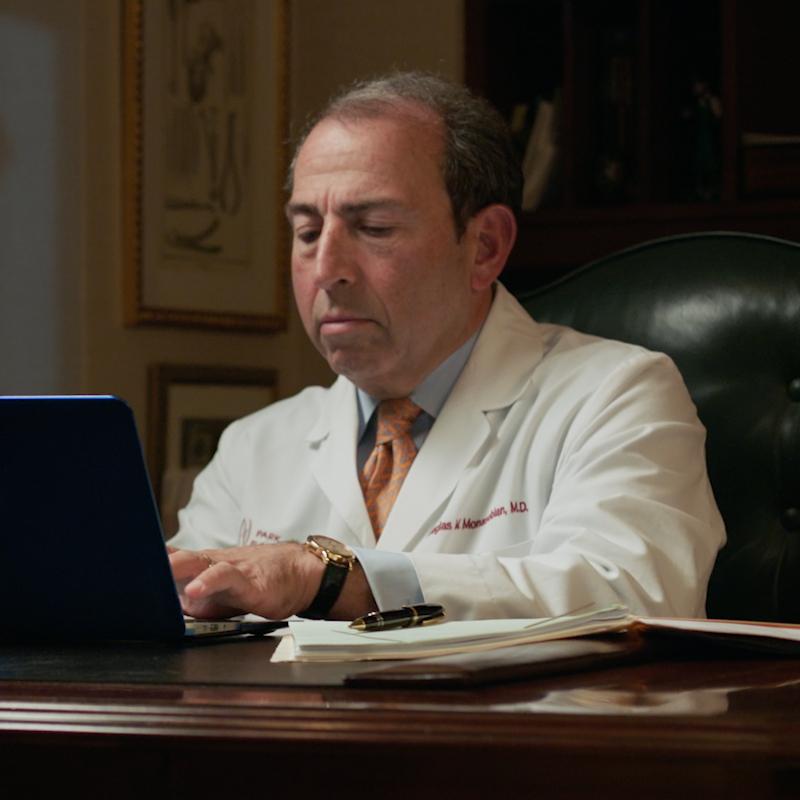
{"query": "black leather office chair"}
{"type": "Point", "coordinates": [726, 308]}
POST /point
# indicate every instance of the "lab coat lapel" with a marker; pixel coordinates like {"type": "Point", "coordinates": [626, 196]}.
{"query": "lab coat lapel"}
{"type": "Point", "coordinates": [332, 445]}
{"type": "Point", "coordinates": [497, 373]}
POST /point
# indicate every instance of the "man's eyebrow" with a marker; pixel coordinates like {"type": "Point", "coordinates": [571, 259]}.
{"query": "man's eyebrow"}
{"type": "Point", "coordinates": [297, 209]}
{"type": "Point", "coordinates": [352, 209]}
{"type": "Point", "coordinates": [347, 210]}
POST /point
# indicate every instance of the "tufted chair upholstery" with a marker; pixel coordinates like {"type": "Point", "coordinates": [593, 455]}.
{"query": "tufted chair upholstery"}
{"type": "Point", "coordinates": [726, 308]}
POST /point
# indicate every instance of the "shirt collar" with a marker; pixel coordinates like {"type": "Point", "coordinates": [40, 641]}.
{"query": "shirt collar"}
{"type": "Point", "coordinates": [431, 394]}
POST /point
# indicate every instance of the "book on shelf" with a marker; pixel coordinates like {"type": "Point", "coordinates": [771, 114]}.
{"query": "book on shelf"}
{"type": "Point", "coordinates": [541, 154]}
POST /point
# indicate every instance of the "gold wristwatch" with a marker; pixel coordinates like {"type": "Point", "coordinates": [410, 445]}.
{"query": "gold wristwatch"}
{"type": "Point", "coordinates": [339, 560]}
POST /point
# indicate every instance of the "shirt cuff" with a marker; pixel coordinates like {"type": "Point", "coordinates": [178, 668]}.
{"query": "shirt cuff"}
{"type": "Point", "coordinates": [391, 577]}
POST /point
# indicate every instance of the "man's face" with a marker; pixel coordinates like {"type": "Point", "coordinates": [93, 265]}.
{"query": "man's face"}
{"type": "Point", "coordinates": [382, 285]}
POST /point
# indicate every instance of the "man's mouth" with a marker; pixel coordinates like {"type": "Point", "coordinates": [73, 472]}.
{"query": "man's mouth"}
{"type": "Point", "coordinates": [332, 324]}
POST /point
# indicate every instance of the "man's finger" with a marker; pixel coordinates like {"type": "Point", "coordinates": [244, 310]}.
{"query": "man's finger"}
{"type": "Point", "coordinates": [188, 564]}
{"type": "Point", "coordinates": [219, 579]}
{"type": "Point", "coordinates": [214, 592]}
{"type": "Point", "coordinates": [207, 608]}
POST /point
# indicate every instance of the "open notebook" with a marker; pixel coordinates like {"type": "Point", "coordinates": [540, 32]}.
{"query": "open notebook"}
{"type": "Point", "coordinates": [81, 545]}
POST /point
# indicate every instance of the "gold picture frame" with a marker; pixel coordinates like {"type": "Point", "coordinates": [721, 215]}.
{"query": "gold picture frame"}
{"type": "Point", "coordinates": [188, 408]}
{"type": "Point", "coordinates": [205, 126]}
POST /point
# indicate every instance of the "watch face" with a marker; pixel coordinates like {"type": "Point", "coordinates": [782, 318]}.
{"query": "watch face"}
{"type": "Point", "coordinates": [332, 546]}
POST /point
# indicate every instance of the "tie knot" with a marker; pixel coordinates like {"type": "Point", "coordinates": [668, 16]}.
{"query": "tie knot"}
{"type": "Point", "coordinates": [395, 418]}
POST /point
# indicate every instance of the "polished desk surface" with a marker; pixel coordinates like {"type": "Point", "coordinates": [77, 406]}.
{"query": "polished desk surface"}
{"type": "Point", "coordinates": [222, 717]}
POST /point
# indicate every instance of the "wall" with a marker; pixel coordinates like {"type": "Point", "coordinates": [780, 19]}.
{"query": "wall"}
{"type": "Point", "coordinates": [60, 275]}
{"type": "Point", "coordinates": [337, 41]}
{"type": "Point", "coordinates": [41, 243]}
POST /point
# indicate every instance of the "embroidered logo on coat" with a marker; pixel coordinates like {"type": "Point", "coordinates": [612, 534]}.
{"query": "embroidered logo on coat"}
{"type": "Point", "coordinates": [247, 536]}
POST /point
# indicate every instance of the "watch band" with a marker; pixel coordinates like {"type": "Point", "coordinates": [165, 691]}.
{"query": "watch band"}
{"type": "Point", "coordinates": [329, 590]}
{"type": "Point", "coordinates": [338, 560]}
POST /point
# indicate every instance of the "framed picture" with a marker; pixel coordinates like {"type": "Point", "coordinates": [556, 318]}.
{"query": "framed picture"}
{"type": "Point", "coordinates": [188, 408]}
{"type": "Point", "coordinates": [204, 160]}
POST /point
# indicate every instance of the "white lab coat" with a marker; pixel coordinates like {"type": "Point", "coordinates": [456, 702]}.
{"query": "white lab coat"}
{"type": "Point", "coordinates": [563, 471]}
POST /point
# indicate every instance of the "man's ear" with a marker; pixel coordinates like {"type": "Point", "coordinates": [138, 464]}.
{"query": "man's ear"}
{"type": "Point", "coordinates": [495, 231]}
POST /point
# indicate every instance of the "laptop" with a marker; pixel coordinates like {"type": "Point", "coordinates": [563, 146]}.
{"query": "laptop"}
{"type": "Point", "coordinates": [82, 553]}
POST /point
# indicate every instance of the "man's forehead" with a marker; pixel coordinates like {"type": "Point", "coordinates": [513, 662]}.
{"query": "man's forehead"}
{"type": "Point", "coordinates": [370, 143]}
{"type": "Point", "coordinates": [372, 162]}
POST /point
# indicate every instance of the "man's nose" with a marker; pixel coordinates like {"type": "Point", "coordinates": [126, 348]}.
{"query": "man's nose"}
{"type": "Point", "coordinates": [335, 261]}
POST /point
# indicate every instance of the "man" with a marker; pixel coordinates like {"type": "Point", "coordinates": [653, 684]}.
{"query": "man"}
{"type": "Point", "coordinates": [467, 455]}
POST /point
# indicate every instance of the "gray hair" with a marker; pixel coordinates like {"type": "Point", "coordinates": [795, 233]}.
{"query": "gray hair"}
{"type": "Point", "coordinates": [479, 165]}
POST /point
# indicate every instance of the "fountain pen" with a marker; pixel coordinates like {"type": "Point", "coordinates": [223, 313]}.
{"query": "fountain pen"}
{"type": "Point", "coordinates": [405, 617]}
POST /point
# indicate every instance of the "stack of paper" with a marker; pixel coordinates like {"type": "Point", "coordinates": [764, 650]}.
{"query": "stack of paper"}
{"type": "Point", "coordinates": [318, 640]}
{"type": "Point", "coordinates": [336, 641]}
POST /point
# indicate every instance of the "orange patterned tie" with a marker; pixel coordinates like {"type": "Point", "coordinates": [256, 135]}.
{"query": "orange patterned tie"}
{"type": "Point", "coordinates": [390, 460]}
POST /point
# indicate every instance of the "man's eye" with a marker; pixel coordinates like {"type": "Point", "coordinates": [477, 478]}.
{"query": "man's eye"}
{"type": "Point", "coordinates": [307, 236]}
{"type": "Point", "coordinates": [376, 230]}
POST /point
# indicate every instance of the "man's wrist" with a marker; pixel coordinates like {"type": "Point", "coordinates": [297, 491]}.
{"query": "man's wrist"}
{"type": "Point", "coordinates": [337, 560]}
{"type": "Point", "coordinates": [355, 598]}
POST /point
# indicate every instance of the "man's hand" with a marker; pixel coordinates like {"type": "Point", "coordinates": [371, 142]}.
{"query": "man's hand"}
{"type": "Point", "coordinates": [273, 580]}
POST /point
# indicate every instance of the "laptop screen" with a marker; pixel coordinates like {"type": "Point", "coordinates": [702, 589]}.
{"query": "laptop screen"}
{"type": "Point", "coordinates": [81, 541]}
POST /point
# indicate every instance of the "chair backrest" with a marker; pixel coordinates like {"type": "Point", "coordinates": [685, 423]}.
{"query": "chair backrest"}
{"type": "Point", "coordinates": [726, 308]}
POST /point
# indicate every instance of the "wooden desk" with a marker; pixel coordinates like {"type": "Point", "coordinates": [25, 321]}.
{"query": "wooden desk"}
{"type": "Point", "coordinates": [682, 729]}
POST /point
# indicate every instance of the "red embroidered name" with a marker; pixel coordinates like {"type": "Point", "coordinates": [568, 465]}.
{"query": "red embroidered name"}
{"type": "Point", "coordinates": [468, 523]}
{"type": "Point", "coordinates": [246, 535]}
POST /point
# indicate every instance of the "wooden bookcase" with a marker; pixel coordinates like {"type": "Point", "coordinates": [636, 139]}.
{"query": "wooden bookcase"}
{"type": "Point", "coordinates": [672, 116]}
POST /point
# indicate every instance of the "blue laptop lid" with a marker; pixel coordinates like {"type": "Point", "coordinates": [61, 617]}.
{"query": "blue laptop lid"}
{"type": "Point", "coordinates": [81, 545]}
